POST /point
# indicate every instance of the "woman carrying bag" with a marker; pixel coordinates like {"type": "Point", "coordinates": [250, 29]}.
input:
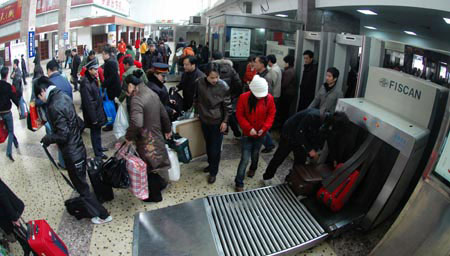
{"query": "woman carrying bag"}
{"type": "Point", "coordinates": [149, 127]}
{"type": "Point", "coordinates": [255, 113]}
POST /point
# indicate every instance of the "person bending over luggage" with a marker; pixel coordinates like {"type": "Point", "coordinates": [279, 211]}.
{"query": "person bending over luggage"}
{"type": "Point", "coordinates": [213, 104]}
{"type": "Point", "coordinates": [255, 113]}
{"type": "Point", "coordinates": [66, 134]}
{"type": "Point", "coordinates": [328, 95]}
{"type": "Point", "coordinates": [149, 127]}
{"type": "Point", "coordinates": [301, 135]}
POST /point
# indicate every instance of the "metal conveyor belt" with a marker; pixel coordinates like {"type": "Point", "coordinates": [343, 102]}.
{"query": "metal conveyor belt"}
{"type": "Point", "coordinates": [266, 221]}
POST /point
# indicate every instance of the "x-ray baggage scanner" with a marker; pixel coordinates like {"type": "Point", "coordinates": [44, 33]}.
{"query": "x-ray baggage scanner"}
{"type": "Point", "coordinates": [397, 109]}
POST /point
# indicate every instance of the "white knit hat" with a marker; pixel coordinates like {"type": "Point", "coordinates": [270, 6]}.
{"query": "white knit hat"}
{"type": "Point", "coordinates": [258, 86]}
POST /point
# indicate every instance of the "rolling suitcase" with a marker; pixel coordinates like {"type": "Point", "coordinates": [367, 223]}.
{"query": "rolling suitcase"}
{"type": "Point", "coordinates": [44, 241]}
{"type": "Point", "coordinates": [103, 191]}
{"type": "Point", "coordinates": [337, 198]}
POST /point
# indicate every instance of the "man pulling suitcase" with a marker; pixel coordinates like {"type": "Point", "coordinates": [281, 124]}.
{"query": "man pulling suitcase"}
{"type": "Point", "coordinates": [67, 134]}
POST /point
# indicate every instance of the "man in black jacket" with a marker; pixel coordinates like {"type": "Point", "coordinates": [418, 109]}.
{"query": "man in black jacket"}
{"type": "Point", "coordinates": [67, 134]}
{"type": "Point", "coordinates": [92, 106]}
{"type": "Point", "coordinates": [24, 69]}
{"type": "Point", "coordinates": [309, 78]}
{"type": "Point", "coordinates": [150, 57]}
{"type": "Point", "coordinates": [112, 80]}
{"type": "Point", "coordinates": [300, 134]}
{"type": "Point", "coordinates": [187, 83]}
{"type": "Point", "coordinates": [74, 72]}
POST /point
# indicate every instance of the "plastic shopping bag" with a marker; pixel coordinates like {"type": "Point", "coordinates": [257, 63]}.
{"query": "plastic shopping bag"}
{"type": "Point", "coordinates": [121, 122]}
{"type": "Point", "coordinates": [110, 109]}
{"type": "Point", "coordinates": [174, 171]}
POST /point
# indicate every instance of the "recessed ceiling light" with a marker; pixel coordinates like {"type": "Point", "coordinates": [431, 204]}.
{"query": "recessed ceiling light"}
{"type": "Point", "coordinates": [367, 12]}
{"type": "Point", "coordinates": [447, 20]}
{"type": "Point", "coordinates": [370, 27]}
{"type": "Point", "coordinates": [410, 33]}
{"type": "Point", "coordinates": [281, 15]}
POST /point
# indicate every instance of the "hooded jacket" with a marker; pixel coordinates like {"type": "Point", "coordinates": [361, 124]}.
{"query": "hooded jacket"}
{"type": "Point", "coordinates": [65, 126]}
{"type": "Point", "coordinates": [230, 76]}
{"type": "Point", "coordinates": [261, 118]}
{"type": "Point", "coordinates": [91, 102]}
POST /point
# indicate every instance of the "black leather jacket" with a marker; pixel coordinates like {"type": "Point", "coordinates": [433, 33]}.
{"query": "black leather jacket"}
{"type": "Point", "coordinates": [65, 126]}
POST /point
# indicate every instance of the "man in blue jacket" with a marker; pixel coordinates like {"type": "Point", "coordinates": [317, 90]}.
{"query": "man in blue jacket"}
{"type": "Point", "coordinates": [55, 76]}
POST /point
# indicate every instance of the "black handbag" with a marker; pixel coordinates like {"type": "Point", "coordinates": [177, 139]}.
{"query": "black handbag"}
{"type": "Point", "coordinates": [115, 172]}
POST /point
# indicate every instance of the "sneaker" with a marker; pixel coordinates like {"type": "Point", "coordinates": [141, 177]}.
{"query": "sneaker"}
{"type": "Point", "coordinates": [98, 220]}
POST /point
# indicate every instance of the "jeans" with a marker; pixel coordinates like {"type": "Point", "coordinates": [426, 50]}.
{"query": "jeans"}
{"type": "Point", "coordinates": [280, 155]}
{"type": "Point", "coordinates": [249, 150]}
{"type": "Point", "coordinates": [48, 130]}
{"type": "Point", "coordinates": [213, 139]}
{"type": "Point", "coordinates": [9, 122]}
{"type": "Point", "coordinates": [268, 142]}
{"type": "Point", "coordinates": [77, 175]}
{"type": "Point", "coordinates": [96, 139]}
{"type": "Point", "coordinates": [22, 107]}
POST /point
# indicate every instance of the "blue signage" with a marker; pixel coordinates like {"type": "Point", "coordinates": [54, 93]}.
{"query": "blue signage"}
{"type": "Point", "coordinates": [111, 27]}
{"type": "Point", "coordinates": [31, 51]}
{"type": "Point", "coordinates": [66, 35]}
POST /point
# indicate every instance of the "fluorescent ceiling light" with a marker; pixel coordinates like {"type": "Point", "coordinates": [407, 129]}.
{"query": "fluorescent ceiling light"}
{"type": "Point", "coordinates": [447, 20]}
{"type": "Point", "coordinates": [281, 15]}
{"type": "Point", "coordinates": [410, 33]}
{"type": "Point", "coordinates": [367, 12]}
{"type": "Point", "coordinates": [370, 27]}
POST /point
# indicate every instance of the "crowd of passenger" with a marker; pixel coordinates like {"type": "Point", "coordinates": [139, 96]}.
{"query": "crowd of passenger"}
{"type": "Point", "coordinates": [252, 106]}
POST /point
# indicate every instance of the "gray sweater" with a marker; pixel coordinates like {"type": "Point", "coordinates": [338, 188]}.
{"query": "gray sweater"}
{"type": "Point", "coordinates": [326, 101]}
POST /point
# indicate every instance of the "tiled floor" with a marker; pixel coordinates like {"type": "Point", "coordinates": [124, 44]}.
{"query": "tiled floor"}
{"type": "Point", "coordinates": [43, 190]}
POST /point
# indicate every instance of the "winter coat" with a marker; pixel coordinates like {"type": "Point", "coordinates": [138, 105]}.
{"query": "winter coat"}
{"type": "Point", "coordinates": [269, 78]}
{"type": "Point", "coordinates": [137, 43]}
{"type": "Point", "coordinates": [149, 58]}
{"type": "Point", "coordinates": [187, 84]}
{"type": "Point", "coordinates": [249, 74]}
{"type": "Point", "coordinates": [112, 81]}
{"type": "Point", "coordinates": [122, 47]}
{"type": "Point", "coordinates": [6, 96]}
{"type": "Point", "coordinates": [308, 85]}
{"type": "Point", "coordinates": [261, 118]}
{"type": "Point", "coordinates": [277, 76]}
{"type": "Point", "coordinates": [61, 83]}
{"type": "Point", "coordinates": [302, 130]}
{"type": "Point", "coordinates": [288, 87]}
{"type": "Point", "coordinates": [205, 54]}
{"type": "Point", "coordinates": [231, 77]}
{"type": "Point", "coordinates": [76, 61]}
{"type": "Point", "coordinates": [65, 126]}
{"type": "Point", "coordinates": [12, 208]}
{"type": "Point", "coordinates": [131, 52]}
{"type": "Point", "coordinates": [212, 102]}
{"type": "Point", "coordinates": [160, 89]}
{"type": "Point", "coordinates": [16, 77]}
{"type": "Point", "coordinates": [91, 103]}
{"type": "Point", "coordinates": [148, 124]}
{"type": "Point", "coordinates": [325, 100]}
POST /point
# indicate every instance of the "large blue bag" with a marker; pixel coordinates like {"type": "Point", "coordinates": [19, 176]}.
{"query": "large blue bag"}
{"type": "Point", "coordinates": [110, 109]}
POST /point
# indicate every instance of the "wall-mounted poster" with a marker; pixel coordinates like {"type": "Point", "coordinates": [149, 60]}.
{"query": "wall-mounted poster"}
{"type": "Point", "coordinates": [240, 42]}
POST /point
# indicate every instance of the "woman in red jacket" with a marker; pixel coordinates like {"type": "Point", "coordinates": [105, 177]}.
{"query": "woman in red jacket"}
{"type": "Point", "coordinates": [250, 72]}
{"type": "Point", "coordinates": [255, 113]}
